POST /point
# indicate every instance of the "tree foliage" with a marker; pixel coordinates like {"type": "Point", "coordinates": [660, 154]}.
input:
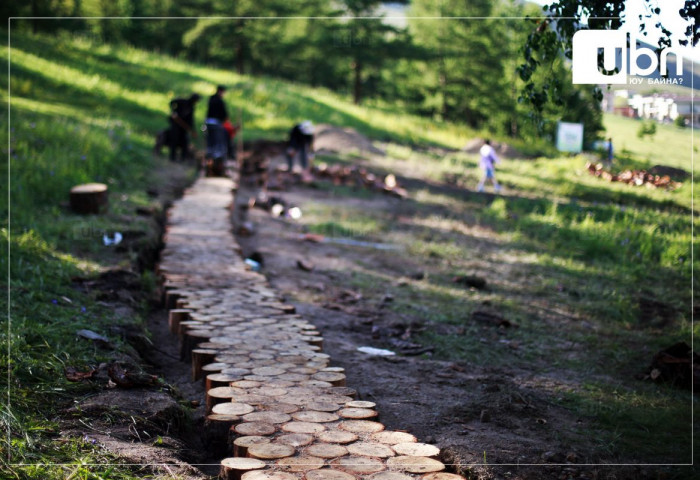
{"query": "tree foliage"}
{"type": "Point", "coordinates": [552, 37]}
{"type": "Point", "coordinates": [470, 63]}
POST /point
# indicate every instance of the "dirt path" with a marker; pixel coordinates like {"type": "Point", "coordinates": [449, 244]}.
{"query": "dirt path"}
{"type": "Point", "coordinates": [487, 421]}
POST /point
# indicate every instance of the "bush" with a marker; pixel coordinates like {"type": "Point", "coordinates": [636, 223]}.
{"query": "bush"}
{"type": "Point", "coordinates": [647, 128]}
{"type": "Point", "coordinates": [679, 121]}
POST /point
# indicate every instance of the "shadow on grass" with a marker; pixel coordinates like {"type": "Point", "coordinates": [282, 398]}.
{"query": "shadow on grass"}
{"type": "Point", "coordinates": [601, 389]}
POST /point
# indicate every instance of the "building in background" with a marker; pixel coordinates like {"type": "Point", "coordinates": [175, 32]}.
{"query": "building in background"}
{"type": "Point", "coordinates": [662, 107]}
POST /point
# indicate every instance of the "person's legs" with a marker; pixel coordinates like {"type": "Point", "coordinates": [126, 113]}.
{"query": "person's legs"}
{"type": "Point", "coordinates": [185, 147]}
{"type": "Point", "coordinates": [304, 157]}
{"type": "Point", "coordinates": [488, 175]}
{"type": "Point", "coordinates": [492, 176]}
{"type": "Point", "coordinates": [290, 158]}
{"type": "Point", "coordinates": [480, 187]}
{"type": "Point", "coordinates": [173, 142]}
{"type": "Point", "coordinates": [231, 147]}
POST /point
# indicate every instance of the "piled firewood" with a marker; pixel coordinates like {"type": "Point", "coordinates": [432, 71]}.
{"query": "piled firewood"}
{"type": "Point", "coordinates": [359, 177]}
{"type": "Point", "coordinates": [677, 364]}
{"type": "Point", "coordinates": [633, 177]}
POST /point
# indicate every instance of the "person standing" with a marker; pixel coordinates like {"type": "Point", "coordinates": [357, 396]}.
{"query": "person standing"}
{"type": "Point", "coordinates": [610, 152]}
{"type": "Point", "coordinates": [301, 139]}
{"type": "Point", "coordinates": [182, 125]}
{"type": "Point", "coordinates": [488, 165]}
{"type": "Point", "coordinates": [217, 137]}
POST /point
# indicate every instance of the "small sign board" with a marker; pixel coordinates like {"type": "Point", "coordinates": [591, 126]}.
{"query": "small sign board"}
{"type": "Point", "coordinates": [570, 137]}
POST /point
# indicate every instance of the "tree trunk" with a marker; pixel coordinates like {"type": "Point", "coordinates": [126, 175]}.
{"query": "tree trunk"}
{"type": "Point", "coordinates": [35, 13]}
{"type": "Point", "coordinates": [443, 88]}
{"type": "Point", "coordinates": [240, 48]}
{"type": "Point", "coordinates": [357, 88]}
{"type": "Point", "coordinates": [88, 198]}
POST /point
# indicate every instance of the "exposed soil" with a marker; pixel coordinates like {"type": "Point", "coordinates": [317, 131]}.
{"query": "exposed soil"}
{"type": "Point", "coordinates": [330, 138]}
{"type": "Point", "coordinates": [475, 415]}
{"type": "Point", "coordinates": [491, 423]}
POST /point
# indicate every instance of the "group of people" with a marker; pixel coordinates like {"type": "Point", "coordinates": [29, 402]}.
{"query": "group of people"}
{"type": "Point", "coordinates": [220, 132]}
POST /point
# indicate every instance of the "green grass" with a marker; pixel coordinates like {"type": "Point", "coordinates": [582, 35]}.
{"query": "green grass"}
{"type": "Point", "coordinates": [75, 117]}
{"type": "Point", "coordinates": [566, 255]}
{"type": "Point", "coordinates": [670, 145]}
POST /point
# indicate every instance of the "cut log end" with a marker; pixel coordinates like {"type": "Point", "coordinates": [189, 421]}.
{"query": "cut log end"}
{"type": "Point", "coordinates": [411, 464]}
{"type": "Point", "coordinates": [89, 198]}
{"type": "Point", "coordinates": [233, 468]}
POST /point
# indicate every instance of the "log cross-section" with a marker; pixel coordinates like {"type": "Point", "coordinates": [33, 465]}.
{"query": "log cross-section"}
{"type": "Point", "coordinates": [89, 198]}
{"type": "Point", "coordinates": [273, 399]}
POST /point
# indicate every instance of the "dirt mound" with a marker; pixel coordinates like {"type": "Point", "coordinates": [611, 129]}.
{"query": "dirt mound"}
{"type": "Point", "coordinates": [502, 149]}
{"type": "Point", "coordinates": [343, 140]}
{"type": "Point", "coordinates": [677, 174]}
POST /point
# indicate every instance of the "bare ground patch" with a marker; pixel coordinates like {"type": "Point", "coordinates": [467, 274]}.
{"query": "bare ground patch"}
{"type": "Point", "coordinates": [490, 422]}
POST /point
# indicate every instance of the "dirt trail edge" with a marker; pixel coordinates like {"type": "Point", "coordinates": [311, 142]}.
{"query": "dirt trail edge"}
{"type": "Point", "coordinates": [275, 407]}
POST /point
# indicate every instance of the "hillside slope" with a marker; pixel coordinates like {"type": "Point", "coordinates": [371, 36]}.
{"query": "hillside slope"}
{"type": "Point", "coordinates": [590, 254]}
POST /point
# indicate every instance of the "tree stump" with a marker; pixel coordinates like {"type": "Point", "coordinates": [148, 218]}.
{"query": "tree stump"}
{"type": "Point", "coordinates": [361, 426]}
{"type": "Point", "coordinates": [295, 439]}
{"type": "Point", "coordinates": [267, 417]}
{"type": "Point", "coordinates": [176, 316]}
{"type": "Point", "coordinates": [241, 444]}
{"type": "Point", "coordinates": [217, 395]}
{"type": "Point", "coordinates": [414, 449]}
{"type": "Point", "coordinates": [323, 406]}
{"type": "Point", "coordinates": [268, 475]}
{"type": "Point", "coordinates": [233, 468]}
{"type": "Point", "coordinates": [415, 464]}
{"type": "Point", "coordinates": [220, 380]}
{"type": "Point", "coordinates": [279, 407]}
{"type": "Point", "coordinates": [326, 450]}
{"type": "Point", "coordinates": [358, 413]}
{"type": "Point", "coordinates": [217, 429]}
{"type": "Point", "coordinates": [395, 476]}
{"type": "Point", "coordinates": [201, 357]}
{"type": "Point", "coordinates": [359, 465]}
{"type": "Point", "coordinates": [329, 475]}
{"type": "Point", "coordinates": [270, 451]}
{"type": "Point", "coordinates": [190, 340]}
{"type": "Point", "coordinates": [360, 404]}
{"type": "Point", "coordinates": [334, 378]}
{"type": "Point", "coordinates": [370, 449]}
{"type": "Point", "coordinates": [88, 198]}
{"type": "Point", "coordinates": [255, 429]}
{"type": "Point", "coordinates": [231, 408]}
{"type": "Point", "coordinates": [441, 476]}
{"type": "Point", "coordinates": [314, 417]}
{"type": "Point", "coordinates": [303, 427]}
{"type": "Point", "coordinates": [302, 463]}
{"type": "Point", "coordinates": [337, 436]}
{"type": "Point", "coordinates": [393, 438]}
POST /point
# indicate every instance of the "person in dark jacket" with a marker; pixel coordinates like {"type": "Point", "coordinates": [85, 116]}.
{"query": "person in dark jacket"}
{"type": "Point", "coordinates": [217, 137]}
{"type": "Point", "coordinates": [181, 125]}
{"type": "Point", "coordinates": [301, 139]}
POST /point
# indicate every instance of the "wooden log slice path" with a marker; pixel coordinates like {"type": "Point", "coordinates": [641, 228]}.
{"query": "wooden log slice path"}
{"type": "Point", "coordinates": [272, 395]}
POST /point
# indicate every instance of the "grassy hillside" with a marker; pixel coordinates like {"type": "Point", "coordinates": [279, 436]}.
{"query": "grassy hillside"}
{"type": "Point", "coordinates": [671, 145]}
{"type": "Point", "coordinates": [83, 112]}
